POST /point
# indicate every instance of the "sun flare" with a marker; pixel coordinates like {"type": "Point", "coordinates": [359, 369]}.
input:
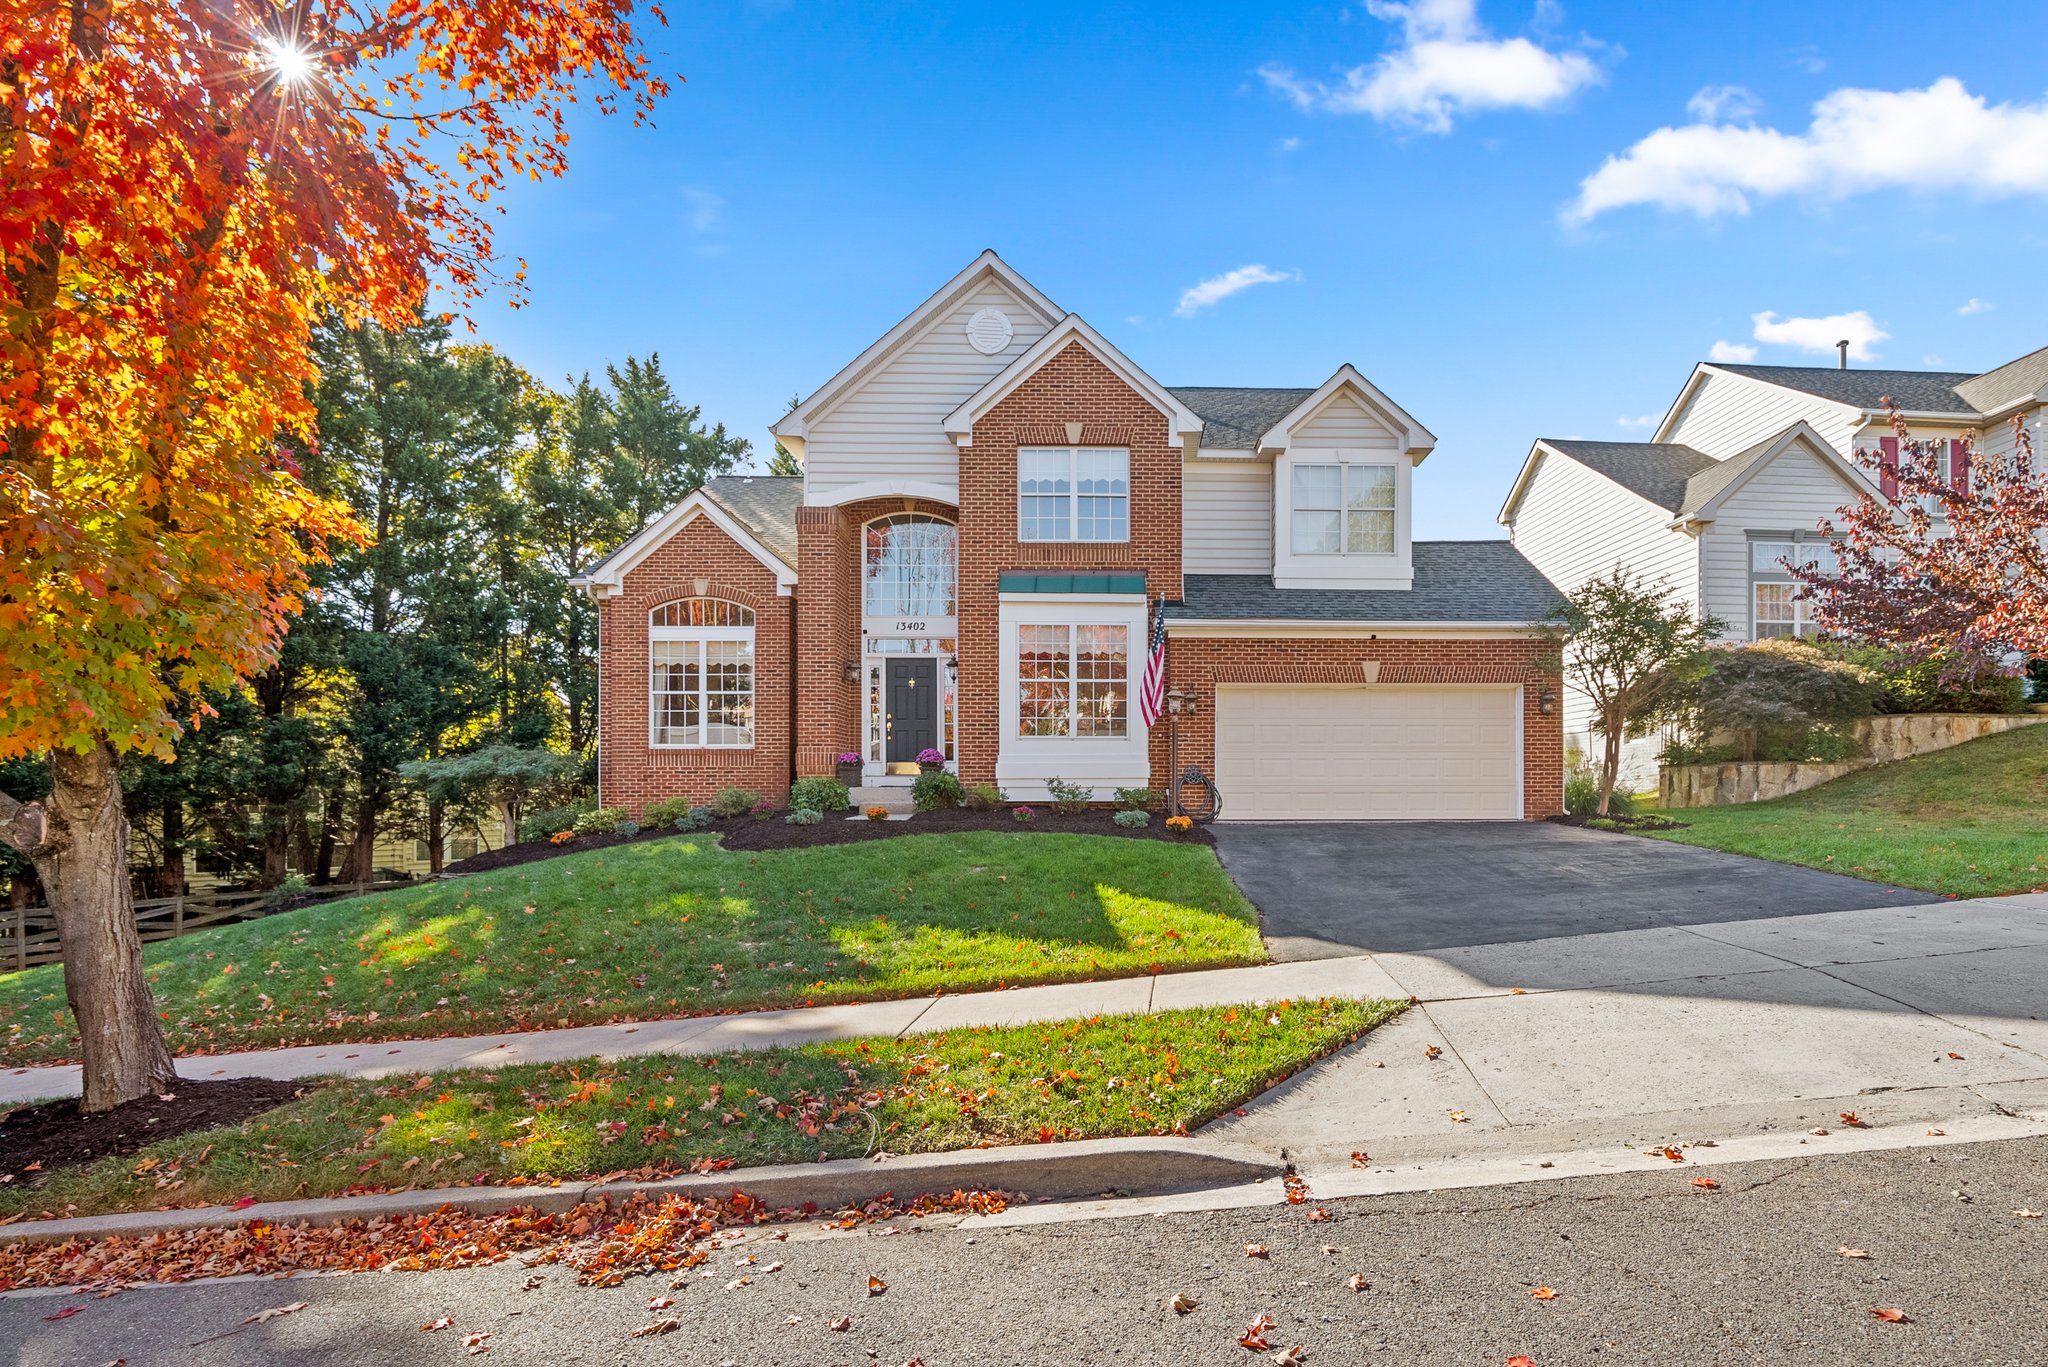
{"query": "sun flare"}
{"type": "Point", "coordinates": [289, 63]}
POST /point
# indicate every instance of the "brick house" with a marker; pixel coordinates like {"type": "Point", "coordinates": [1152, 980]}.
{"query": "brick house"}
{"type": "Point", "coordinates": [996, 503]}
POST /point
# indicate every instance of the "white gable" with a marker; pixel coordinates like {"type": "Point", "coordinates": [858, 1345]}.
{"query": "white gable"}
{"type": "Point", "coordinates": [1344, 421]}
{"type": "Point", "coordinates": [1722, 414]}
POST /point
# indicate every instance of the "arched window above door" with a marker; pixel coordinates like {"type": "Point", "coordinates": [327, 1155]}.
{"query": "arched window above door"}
{"type": "Point", "coordinates": [908, 566]}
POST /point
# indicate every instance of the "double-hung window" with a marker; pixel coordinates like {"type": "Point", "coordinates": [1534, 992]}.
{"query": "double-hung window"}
{"type": "Point", "coordinates": [1073, 493]}
{"type": "Point", "coordinates": [701, 674]}
{"type": "Point", "coordinates": [1343, 509]}
{"type": "Point", "coordinates": [1073, 680]}
{"type": "Point", "coordinates": [1776, 605]}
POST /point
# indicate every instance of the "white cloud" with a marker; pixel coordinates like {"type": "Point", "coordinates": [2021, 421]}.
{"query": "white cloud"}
{"type": "Point", "coordinates": [1220, 287]}
{"type": "Point", "coordinates": [1821, 334]}
{"type": "Point", "coordinates": [1447, 64]}
{"type": "Point", "coordinates": [1733, 352]}
{"type": "Point", "coordinates": [1724, 104]}
{"type": "Point", "coordinates": [1942, 138]}
{"type": "Point", "coordinates": [1290, 144]}
{"type": "Point", "coordinates": [703, 208]}
{"type": "Point", "coordinates": [1647, 420]}
{"type": "Point", "coordinates": [1976, 306]}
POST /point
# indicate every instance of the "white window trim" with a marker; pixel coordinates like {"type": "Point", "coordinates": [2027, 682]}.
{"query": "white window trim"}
{"type": "Point", "coordinates": [1073, 680]}
{"type": "Point", "coordinates": [1100, 763]}
{"type": "Point", "coordinates": [902, 621]}
{"type": "Point", "coordinates": [1343, 508]}
{"type": "Point", "coordinates": [1802, 609]}
{"type": "Point", "coordinates": [1354, 570]}
{"type": "Point", "coordinates": [723, 634]}
{"type": "Point", "coordinates": [1074, 497]}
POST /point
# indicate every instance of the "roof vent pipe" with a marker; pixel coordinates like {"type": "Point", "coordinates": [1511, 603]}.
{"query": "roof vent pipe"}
{"type": "Point", "coordinates": [1842, 347]}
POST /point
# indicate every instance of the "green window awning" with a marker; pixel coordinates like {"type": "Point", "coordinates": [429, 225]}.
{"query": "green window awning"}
{"type": "Point", "coordinates": [1020, 581]}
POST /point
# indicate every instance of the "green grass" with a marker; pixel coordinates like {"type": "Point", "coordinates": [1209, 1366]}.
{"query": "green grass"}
{"type": "Point", "coordinates": [1969, 821]}
{"type": "Point", "coordinates": [676, 927]}
{"type": "Point", "coordinates": [1119, 1075]}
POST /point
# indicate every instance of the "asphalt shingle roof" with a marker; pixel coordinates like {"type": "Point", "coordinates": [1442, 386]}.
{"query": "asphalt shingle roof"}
{"type": "Point", "coordinates": [765, 504]}
{"type": "Point", "coordinates": [1915, 391]}
{"type": "Point", "coordinates": [1234, 419]}
{"type": "Point", "coordinates": [1455, 581]}
{"type": "Point", "coordinates": [1657, 470]}
{"type": "Point", "coordinates": [2008, 384]}
{"type": "Point", "coordinates": [1702, 487]}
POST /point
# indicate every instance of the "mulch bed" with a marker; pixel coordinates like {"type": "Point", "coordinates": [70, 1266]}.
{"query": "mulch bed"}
{"type": "Point", "coordinates": [1626, 823]}
{"type": "Point", "coordinates": [773, 833]}
{"type": "Point", "coordinates": [55, 1135]}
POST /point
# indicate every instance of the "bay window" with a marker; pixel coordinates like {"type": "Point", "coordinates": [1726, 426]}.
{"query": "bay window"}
{"type": "Point", "coordinates": [1073, 680]}
{"type": "Point", "coordinates": [1073, 493]}
{"type": "Point", "coordinates": [701, 674]}
{"type": "Point", "coordinates": [1343, 509]}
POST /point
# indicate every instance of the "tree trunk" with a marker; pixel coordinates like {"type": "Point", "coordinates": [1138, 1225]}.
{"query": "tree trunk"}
{"type": "Point", "coordinates": [508, 813]}
{"type": "Point", "coordinates": [171, 869]}
{"type": "Point", "coordinates": [437, 821]}
{"type": "Point", "coordinates": [78, 840]}
{"type": "Point", "coordinates": [323, 853]}
{"type": "Point", "coordinates": [1610, 762]}
{"type": "Point", "coordinates": [362, 846]}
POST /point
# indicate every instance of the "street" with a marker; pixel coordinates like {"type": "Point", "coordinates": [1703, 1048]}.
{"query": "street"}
{"type": "Point", "coordinates": [1648, 1269]}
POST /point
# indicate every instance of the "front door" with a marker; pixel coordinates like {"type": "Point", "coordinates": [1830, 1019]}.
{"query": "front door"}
{"type": "Point", "coordinates": [911, 711]}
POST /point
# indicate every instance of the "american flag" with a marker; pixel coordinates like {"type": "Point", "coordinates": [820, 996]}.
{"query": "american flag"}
{"type": "Point", "coordinates": [1152, 690]}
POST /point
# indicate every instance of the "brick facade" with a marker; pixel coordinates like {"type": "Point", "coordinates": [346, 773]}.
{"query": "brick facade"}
{"type": "Point", "coordinates": [700, 560]}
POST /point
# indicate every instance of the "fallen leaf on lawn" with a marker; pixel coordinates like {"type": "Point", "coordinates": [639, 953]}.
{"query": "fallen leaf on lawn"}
{"type": "Point", "coordinates": [1890, 1314]}
{"type": "Point", "coordinates": [1357, 1282]}
{"type": "Point", "coordinates": [1291, 1357]}
{"type": "Point", "coordinates": [1254, 1250]}
{"type": "Point", "coordinates": [1854, 1121]}
{"type": "Point", "coordinates": [1319, 1216]}
{"type": "Point", "coordinates": [841, 1325]}
{"type": "Point", "coordinates": [1254, 1336]}
{"type": "Point", "coordinates": [658, 1327]}
{"type": "Point", "coordinates": [445, 1322]}
{"type": "Point", "coordinates": [261, 1315]}
{"type": "Point", "coordinates": [660, 1302]}
{"type": "Point", "coordinates": [1861, 1255]}
{"type": "Point", "coordinates": [244, 1203]}
{"type": "Point", "coordinates": [1432, 1051]}
{"type": "Point", "coordinates": [1544, 1293]}
{"type": "Point", "coordinates": [1669, 1152]}
{"type": "Point", "coordinates": [1184, 1304]}
{"type": "Point", "coordinates": [2026, 1214]}
{"type": "Point", "coordinates": [1706, 1183]}
{"type": "Point", "coordinates": [876, 1286]}
{"type": "Point", "coordinates": [66, 1313]}
{"type": "Point", "coordinates": [1359, 1158]}
{"type": "Point", "coordinates": [1460, 1118]}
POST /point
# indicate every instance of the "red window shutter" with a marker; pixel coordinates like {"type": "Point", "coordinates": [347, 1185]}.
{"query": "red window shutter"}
{"type": "Point", "coordinates": [1959, 467]}
{"type": "Point", "coordinates": [1888, 479]}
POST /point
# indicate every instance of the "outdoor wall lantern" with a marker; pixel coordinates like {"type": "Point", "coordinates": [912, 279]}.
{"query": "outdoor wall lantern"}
{"type": "Point", "coordinates": [952, 670]}
{"type": "Point", "coordinates": [1546, 702]}
{"type": "Point", "coordinates": [850, 671]}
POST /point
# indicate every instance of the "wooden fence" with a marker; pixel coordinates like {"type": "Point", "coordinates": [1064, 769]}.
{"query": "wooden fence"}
{"type": "Point", "coordinates": [28, 935]}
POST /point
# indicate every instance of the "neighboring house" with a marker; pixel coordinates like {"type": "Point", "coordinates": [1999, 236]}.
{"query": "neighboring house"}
{"type": "Point", "coordinates": [995, 503]}
{"type": "Point", "coordinates": [1736, 479]}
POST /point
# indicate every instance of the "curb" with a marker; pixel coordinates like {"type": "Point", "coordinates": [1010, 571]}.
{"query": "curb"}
{"type": "Point", "coordinates": [1146, 1167]}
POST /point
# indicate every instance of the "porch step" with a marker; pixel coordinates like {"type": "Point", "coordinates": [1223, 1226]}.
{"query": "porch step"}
{"type": "Point", "coordinates": [896, 799]}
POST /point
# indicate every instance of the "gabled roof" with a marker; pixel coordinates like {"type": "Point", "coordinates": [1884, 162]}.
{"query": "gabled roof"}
{"type": "Point", "coordinates": [1655, 470]}
{"type": "Point", "coordinates": [1233, 419]}
{"type": "Point", "coordinates": [1069, 331]}
{"type": "Point", "coordinates": [1706, 491]}
{"type": "Point", "coordinates": [1417, 440]}
{"type": "Point", "coordinates": [757, 511]}
{"type": "Point", "coordinates": [1915, 391]}
{"type": "Point", "coordinates": [987, 265]}
{"type": "Point", "coordinates": [1481, 583]}
{"type": "Point", "coordinates": [2014, 382]}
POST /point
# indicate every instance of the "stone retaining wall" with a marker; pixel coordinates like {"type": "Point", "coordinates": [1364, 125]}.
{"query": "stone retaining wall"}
{"type": "Point", "coordinates": [1884, 739]}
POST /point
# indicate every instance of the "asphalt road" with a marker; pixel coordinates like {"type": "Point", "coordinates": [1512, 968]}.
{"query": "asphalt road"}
{"type": "Point", "coordinates": [1647, 1270]}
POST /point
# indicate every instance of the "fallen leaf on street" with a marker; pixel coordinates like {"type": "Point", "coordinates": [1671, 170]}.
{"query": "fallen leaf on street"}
{"type": "Point", "coordinates": [478, 1343]}
{"type": "Point", "coordinates": [1890, 1314]}
{"type": "Point", "coordinates": [1817, 1130]}
{"type": "Point", "coordinates": [1854, 1121]}
{"type": "Point", "coordinates": [1460, 1118]}
{"type": "Point", "coordinates": [445, 1322]}
{"type": "Point", "coordinates": [533, 1282]}
{"type": "Point", "coordinates": [794, 1320]}
{"type": "Point", "coordinates": [876, 1286]}
{"type": "Point", "coordinates": [1954, 1055]}
{"type": "Point", "coordinates": [1184, 1304]}
{"type": "Point", "coordinates": [1432, 1051]}
{"type": "Point", "coordinates": [1359, 1158]}
{"type": "Point", "coordinates": [261, 1315]}
{"type": "Point", "coordinates": [1707, 1183]}
{"type": "Point", "coordinates": [658, 1327]}
{"type": "Point", "coordinates": [1357, 1282]}
{"type": "Point", "coordinates": [1518, 992]}
{"type": "Point", "coordinates": [2026, 1214]}
{"type": "Point", "coordinates": [772, 1267]}
{"type": "Point", "coordinates": [660, 1302]}
{"type": "Point", "coordinates": [1668, 1152]}
{"type": "Point", "coordinates": [1319, 1216]}
{"type": "Point", "coordinates": [1861, 1255]}
{"type": "Point", "coordinates": [66, 1313]}
{"type": "Point", "coordinates": [1936, 1134]}
{"type": "Point", "coordinates": [1254, 1337]}
{"type": "Point", "coordinates": [841, 1325]}
{"type": "Point", "coordinates": [1521, 1360]}
{"type": "Point", "coordinates": [1291, 1357]}
{"type": "Point", "coordinates": [1544, 1293]}
{"type": "Point", "coordinates": [737, 1282]}
{"type": "Point", "coordinates": [1254, 1250]}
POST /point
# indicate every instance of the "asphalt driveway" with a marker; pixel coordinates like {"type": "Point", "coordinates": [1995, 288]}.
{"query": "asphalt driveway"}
{"type": "Point", "coordinates": [1327, 889]}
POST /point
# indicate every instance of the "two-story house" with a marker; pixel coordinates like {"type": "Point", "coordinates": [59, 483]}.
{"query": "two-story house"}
{"type": "Point", "coordinates": [996, 506]}
{"type": "Point", "coordinates": [1734, 482]}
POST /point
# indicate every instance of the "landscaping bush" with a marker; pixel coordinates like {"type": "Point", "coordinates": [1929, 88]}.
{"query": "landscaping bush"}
{"type": "Point", "coordinates": [819, 795]}
{"type": "Point", "coordinates": [1768, 697]}
{"type": "Point", "coordinates": [628, 828]}
{"type": "Point", "coordinates": [985, 797]}
{"type": "Point", "coordinates": [1131, 818]}
{"type": "Point", "coordinates": [804, 816]}
{"type": "Point", "coordinates": [665, 811]}
{"type": "Point", "coordinates": [1582, 790]}
{"type": "Point", "coordinates": [541, 825]}
{"type": "Point", "coordinates": [1068, 797]}
{"type": "Point", "coordinates": [936, 790]}
{"type": "Point", "coordinates": [1024, 816]}
{"type": "Point", "coordinates": [1918, 686]}
{"type": "Point", "coordinates": [1139, 800]}
{"type": "Point", "coordinates": [734, 801]}
{"type": "Point", "coordinates": [696, 819]}
{"type": "Point", "coordinates": [599, 821]}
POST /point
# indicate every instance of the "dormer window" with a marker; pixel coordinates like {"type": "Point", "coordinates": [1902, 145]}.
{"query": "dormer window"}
{"type": "Point", "coordinates": [1343, 509]}
{"type": "Point", "coordinates": [1073, 493]}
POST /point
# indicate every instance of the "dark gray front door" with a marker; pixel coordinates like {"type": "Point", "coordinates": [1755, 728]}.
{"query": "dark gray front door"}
{"type": "Point", "coordinates": [911, 696]}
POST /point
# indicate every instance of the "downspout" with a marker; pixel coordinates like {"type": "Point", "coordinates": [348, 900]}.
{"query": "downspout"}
{"type": "Point", "coordinates": [597, 705]}
{"type": "Point", "coordinates": [790, 682]}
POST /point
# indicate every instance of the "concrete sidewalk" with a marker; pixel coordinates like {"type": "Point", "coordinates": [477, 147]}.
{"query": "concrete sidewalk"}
{"type": "Point", "coordinates": [1355, 977]}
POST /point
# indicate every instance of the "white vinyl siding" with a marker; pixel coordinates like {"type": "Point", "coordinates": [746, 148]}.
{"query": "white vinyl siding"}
{"type": "Point", "coordinates": [1344, 421]}
{"type": "Point", "coordinates": [1227, 516]}
{"type": "Point", "coordinates": [891, 424]}
{"type": "Point", "coordinates": [1728, 414]}
{"type": "Point", "coordinates": [1791, 494]}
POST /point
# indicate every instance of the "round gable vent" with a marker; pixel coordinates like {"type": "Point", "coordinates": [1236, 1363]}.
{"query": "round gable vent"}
{"type": "Point", "coordinates": [989, 331]}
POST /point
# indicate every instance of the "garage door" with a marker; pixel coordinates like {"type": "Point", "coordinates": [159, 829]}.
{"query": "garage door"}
{"type": "Point", "coordinates": [1328, 753]}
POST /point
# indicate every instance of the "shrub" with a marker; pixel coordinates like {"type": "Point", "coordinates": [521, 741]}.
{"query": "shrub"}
{"type": "Point", "coordinates": [804, 816]}
{"type": "Point", "coordinates": [628, 828]}
{"type": "Point", "coordinates": [734, 801]}
{"type": "Point", "coordinates": [1582, 790]}
{"type": "Point", "coordinates": [696, 819]}
{"type": "Point", "coordinates": [762, 810]}
{"type": "Point", "coordinates": [1918, 686]}
{"type": "Point", "coordinates": [1180, 824]}
{"type": "Point", "coordinates": [876, 813]}
{"type": "Point", "coordinates": [1131, 818]}
{"type": "Point", "coordinates": [599, 821]}
{"type": "Point", "coordinates": [1138, 799]}
{"type": "Point", "coordinates": [928, 755]}
{"type": "Point", "coordinates": [1769, 696]}
{"type": "Point", "coordinates": [819, 795]}
{"type": "Point", "coordinates": [936, 790]}
{"type": "Point", "coordinates": [1068, 797]}
{"type": "Point", "coordinates": [664, 812]}
{"type": "Point", "coordinates": [985, 797]}
{"type": "Point", "coordinates": [1024, 816]}
{"type": "Point", "coordinates": [541, 825]}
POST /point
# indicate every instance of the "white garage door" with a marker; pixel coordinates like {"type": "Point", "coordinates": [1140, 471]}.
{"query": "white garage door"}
{"type": "Point", "coordinates": [1328, 753]}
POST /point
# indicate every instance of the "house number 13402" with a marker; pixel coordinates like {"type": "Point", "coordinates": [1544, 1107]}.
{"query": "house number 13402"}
{"type": "Point", "coordinates": [909, 626]}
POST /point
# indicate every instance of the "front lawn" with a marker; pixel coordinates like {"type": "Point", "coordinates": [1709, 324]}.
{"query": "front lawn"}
{"type": "Point", "coordinates": [1966, 821]}
{"type": "Point", "coordinates": [1118, 1075]}
{"type": "Point", "coordinates": [676, 927]}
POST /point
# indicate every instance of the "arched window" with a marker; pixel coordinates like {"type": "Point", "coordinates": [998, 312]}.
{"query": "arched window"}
{"type": "Point", "coordinates": [907, 569]}
{"type": "Point", "coordinates": [700, 654]}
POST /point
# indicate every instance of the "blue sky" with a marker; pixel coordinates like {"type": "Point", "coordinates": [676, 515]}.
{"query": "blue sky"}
{"type": "Point", "coordinates": [1416, 176]}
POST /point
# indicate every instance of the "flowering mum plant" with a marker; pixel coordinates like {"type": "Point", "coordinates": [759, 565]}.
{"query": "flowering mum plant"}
{"type": "Point", "coordinates": [1180, 823]}
{"type": "Point", "coordinates": [876, 813]}
{"type": "Point", "coordinates": [930, 756]}
{"type": "Point", "coordinates": [1024, 814]}
{"type": "Point", "coordinates": [849, 757]}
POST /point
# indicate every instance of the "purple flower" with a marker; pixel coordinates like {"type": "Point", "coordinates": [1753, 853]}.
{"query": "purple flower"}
{"type": "Point", "coordinates": [850, 757]}
{"type": "Point", "coordinates": [931, 756]}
